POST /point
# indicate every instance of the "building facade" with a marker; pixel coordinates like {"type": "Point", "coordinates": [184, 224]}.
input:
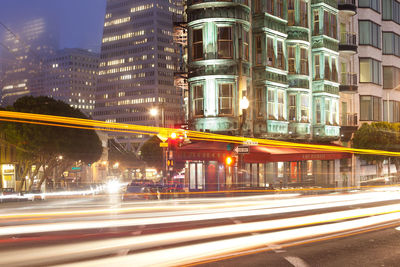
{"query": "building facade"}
{"type": "Point", "coordinates": [71, 76]}
{"type": "Point", "coordinates": [284, 57]}
{"type": "Point", "coordinates": [138, 61]}
{"type": "Point", "coordinates": [22, 64]}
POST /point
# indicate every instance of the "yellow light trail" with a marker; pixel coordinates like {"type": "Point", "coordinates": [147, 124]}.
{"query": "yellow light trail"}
{"type": "Point", "coordinates": [151, 130]}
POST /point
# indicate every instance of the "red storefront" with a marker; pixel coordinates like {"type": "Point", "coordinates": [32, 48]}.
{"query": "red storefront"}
{"type": "Point", "coordinates": [262, 166]}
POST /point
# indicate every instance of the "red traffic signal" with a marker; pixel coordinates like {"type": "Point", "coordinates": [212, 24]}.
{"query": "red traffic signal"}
{"type": "Point", "coordinates": [229, 161]}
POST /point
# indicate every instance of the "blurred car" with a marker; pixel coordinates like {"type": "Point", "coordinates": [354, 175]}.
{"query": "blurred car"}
{"type": "Point", "coordinates": [137, 192]}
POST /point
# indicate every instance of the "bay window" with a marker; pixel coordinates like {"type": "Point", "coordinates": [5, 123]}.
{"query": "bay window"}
{"type": "Point", "coordinates": [369, 33]}
{"type": "Point", "coordinates": [370, 108]}
{"type": "Point", "coordinates": [197, 49]}
{"type": "Point", "coordinates": [225, 97]}
{"type": "Point", "coordinates": [271, 104]}
{"type": "Point", "coordinates": [304, 110]}
{"type": "Point", "coordinates": [292, 107]}
{"type": "Point", "coordinates": [225, 42]}
{"type": "Point", "coordinates": [198, 100]}
{"type": "Point", "coordinates": [370, 71]}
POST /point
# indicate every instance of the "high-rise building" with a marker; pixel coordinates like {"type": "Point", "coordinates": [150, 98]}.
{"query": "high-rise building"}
{"type": "Point", "coordinates": [22, 65]}
{"type": "Point", "coordinates": [138, 61]}
{"type": "Point", "coordinates": [71, 76]}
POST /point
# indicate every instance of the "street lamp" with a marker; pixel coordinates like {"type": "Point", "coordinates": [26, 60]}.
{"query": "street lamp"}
{"type": "Point", "coordinates": [153, 112]}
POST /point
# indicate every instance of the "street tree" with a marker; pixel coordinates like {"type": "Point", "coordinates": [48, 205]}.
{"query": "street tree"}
{"type": "Point", "coordinates": [377, 136]}
{"type": "Point", "coordinates": [45, 146]}
{"type": "Point", "coordinates": [151, 152]}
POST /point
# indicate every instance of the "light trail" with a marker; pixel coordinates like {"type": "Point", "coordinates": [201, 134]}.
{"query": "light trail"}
{"type": "Point", "coordinates": [199, 252]}
{"type": "Point", "coordinates": [191, 134]}
{"type": "Point", "coordinates": [175, 256]}
{"type": "Point", "coordinates": [196, 214]}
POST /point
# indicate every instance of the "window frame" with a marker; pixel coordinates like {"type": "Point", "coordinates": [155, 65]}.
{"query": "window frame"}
{"type": "Point", "coordinates": [222, 97]}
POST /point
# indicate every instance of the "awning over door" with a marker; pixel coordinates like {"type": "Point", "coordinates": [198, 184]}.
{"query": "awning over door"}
{"type": "Point", "coordinates": [258, 154]}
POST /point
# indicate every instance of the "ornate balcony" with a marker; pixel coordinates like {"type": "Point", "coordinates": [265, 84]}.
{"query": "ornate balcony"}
{"type": "Point", "coordinates": [348, 43]}
{"type": "Point", "coordinates": [348, 7]}
{"type": "Point", "coordinates": [348, 83]}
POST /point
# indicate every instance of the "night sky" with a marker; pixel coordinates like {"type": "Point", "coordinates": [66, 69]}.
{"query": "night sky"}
{"type": "Point", "coordinates": [79, 23]}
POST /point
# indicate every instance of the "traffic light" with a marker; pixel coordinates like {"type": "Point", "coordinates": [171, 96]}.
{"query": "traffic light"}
{"type": "Point", "coordinates": [175, 140]}
{"type": "Point", "coordinates": [229, 160]}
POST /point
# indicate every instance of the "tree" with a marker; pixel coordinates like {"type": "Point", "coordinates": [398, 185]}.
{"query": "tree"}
{"type": "Point", "coordinates": [377, 136]}
{"type": "Point", "coordinates": [152, 152]}
{"type": "Point", "coordinates": [42, 145]}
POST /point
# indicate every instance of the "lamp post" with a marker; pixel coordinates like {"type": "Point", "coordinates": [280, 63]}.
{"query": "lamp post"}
{"type": "Point", "coordinates": [154, 112]}
{"type": "Point", "coordinates": [244, 105]}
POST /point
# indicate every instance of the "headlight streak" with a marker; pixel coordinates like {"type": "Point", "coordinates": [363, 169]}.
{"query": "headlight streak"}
{"type": "Point", "coordinates": [195, 215]}
{"type": "Point", "coordinates": [190, 253]}
{"type": "Point", "coordinates": [190, 134]}
{"type": "Point", "coordinates": [199, 252]}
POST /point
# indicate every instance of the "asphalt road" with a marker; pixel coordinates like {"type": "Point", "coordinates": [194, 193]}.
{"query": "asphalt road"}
{"type": "Point", "coordinates": [375, 248]}
{"type": "Point", "coordinates": [349, 229]}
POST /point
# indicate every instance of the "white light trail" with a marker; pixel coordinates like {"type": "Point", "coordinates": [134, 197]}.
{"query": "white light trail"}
{"type": "Point", "coordinates": [105, 247]}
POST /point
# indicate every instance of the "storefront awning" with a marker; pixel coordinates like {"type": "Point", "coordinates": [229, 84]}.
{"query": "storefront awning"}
{"type": "Point", "coordinates": [207, 151]}
{"type": "Point", "coordinates": [260, 154]}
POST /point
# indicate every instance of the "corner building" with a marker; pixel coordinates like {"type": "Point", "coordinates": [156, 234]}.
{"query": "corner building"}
{"type": "Point", "coordinates": [283, 56]}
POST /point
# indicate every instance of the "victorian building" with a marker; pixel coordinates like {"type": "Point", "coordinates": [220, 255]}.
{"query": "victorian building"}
{"type": "Point", "coordinates": [285, 58]}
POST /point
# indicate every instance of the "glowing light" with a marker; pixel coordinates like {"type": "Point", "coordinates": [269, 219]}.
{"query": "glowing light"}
{"type": "Point", "coordinates": [113, 186]}
{"type": "Point", "coordinates": [174, 135]}
{"type": "Point", "coordinates": [153, 112]}
{"type": "Point", "coordinates": [228, 161]}
{"type": "Point", "coordinates": [244, 103]}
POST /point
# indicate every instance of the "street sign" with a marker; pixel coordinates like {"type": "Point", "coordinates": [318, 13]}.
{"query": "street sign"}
{"type": "Point", "coordinates": [250, 142]}
{"type": "Point", "coordinates": [76, 168]}
{"type": "Point", "coordinates": [242, 150]}
{"type": "Point", "coordinates": [164, 144]}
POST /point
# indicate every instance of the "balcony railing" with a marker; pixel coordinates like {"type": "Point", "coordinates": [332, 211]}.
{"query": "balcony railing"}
{"type": "Point", "coordinates": [348, 79]}
{"type": "Point", "coordinates": [347, 2]}
{"type": "Point", "coordinates": [349, 119]}
{"type": "Point", "coordinates": [348, 38]}
{"type": "Point", "coordinates": [347, 5]}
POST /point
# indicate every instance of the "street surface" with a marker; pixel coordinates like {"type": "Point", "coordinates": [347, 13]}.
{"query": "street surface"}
{"type": "Point", "coordinates": [286, 229]}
